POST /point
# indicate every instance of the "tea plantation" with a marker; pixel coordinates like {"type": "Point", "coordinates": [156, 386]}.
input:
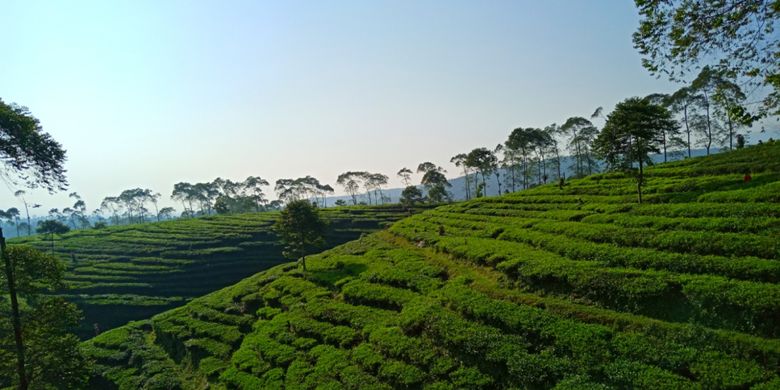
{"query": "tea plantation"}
{"type": "Point", "coordinates": [132, 272]}
{"type": "Point", "coordinates": [577, 287]}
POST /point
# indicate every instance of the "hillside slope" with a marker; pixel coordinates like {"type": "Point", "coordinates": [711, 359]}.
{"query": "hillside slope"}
{"type": "Point", "coordinates": [567, 288]}
{"type": "Point", "coordinates": [132, 272]}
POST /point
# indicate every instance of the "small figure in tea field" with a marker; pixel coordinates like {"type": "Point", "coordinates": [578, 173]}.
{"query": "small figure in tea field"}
{"type": "Point", "coordinates": [747, 177]}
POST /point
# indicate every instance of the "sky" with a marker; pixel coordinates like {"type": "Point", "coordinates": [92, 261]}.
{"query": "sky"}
{"type": "Point", "coordinates": [150, 93]}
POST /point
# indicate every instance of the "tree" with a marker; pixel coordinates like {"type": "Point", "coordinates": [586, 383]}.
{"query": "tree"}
{"type": "Point", "coordinates": [686, 101]}
{"type": "Point", "coordinates": [153, 197]}
{"type": "Point", "coordinates": [496, 171]}
{"type": "Point", "coordinates": [633, 131]}
{"type": "Point", "coordinates": [351, 181]}
{"type": "Point", "coordinates": [406, 176]}
{"type": "Point", "coordinates": [20, 194]}
{"type": "Point", "coordinates": [49, 356]}
{"type": "Point", "coordinates": [460, 161]}
{"type": "Point", "coordinates": [434, 181]}
{"type": "Point", "coordinates": [677, 37]}
{"type": "Point", "coordinates": [52, 227]}
{"type": "Point", "coordinates": [113, 205]}
{"type": "Point", "coordinates": [254, 186]}
{"type": "Point", "coordinates": [436, 184]}
{"type": "Point", "coordinates": [410, 196]}
{"type": "Point", "coordinates": [300, 230]}
{"type": "Point", "coordinates": [484, 161]}
{"type": "Point", "coordinates": [670, 138]}
{"type": "Point", "coordinates": [13, 215]}
{"type": "Point", "coordinates": [552, 132]}
{"type": "Point", "coordinates": [730, 100]}
{"type": "Point", "coordinates": [77, 213]}
{"type": "Point", "coordinates": [581, 134]}
{"type": "Point", "coordinates": [166, 213]}
{"type": "Point", "coordinates": [376, 181]}
{"type": "Point", "coordinates": [27, 153]}
{"type": "Point", "coordinates": [183, 192]}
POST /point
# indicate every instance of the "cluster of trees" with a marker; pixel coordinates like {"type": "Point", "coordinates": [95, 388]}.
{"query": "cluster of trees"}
{"type": "Point", "coordinates": [221, 196]}
{"type": "Point", "coordinates": [372, 183]}
{"type": "Point", "coordinates": [302, 188]}
{"type": "Point", "coordinates": [530, 156]}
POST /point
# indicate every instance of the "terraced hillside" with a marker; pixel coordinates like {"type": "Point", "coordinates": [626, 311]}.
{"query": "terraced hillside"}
{"type": "Point", "coordinates": [132, 272]}
{"type": "Point", "coordinates": [573, 288]}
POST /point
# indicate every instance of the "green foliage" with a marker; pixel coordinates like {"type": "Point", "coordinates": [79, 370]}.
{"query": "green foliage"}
{"type": "Point", "coordinates": [122, 273]}
{"type": "Point", "coordinates": [29, 153]}
{"type": "Point", "coordinates": [569, 289]}
{"type": "Point", "coordinates": [52, 355]}
{"type": "Point", "coordinates": [410, 196]}
{"type": "Point", "coordinates": [300, 229]}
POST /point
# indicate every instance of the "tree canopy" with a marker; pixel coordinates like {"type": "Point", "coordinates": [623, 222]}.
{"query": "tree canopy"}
{"type": "Point", "coordinates": [633, 130]}
{"type": "Point", "coordinates": [300, 229]}
{"type": "Point", "coordinates": [28, 153]}
{"type": "Point", "coordinates": [677, 38]}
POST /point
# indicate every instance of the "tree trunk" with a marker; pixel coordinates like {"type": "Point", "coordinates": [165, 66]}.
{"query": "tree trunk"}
{"type": "Point", "coordinates": [731, 134]}
{"type": "Point", "coordinates": [639, 181]}
{"type": "Point", "coordinates": [709, 125]}
{"type": "Point", "coordinates": [468, 186]}
{"type": "Point", "coordinates": [29, 225]}
{"type": "Point", "coordinates": [687, 129]}
{"type": "Point", "coordinates": [17, 323]}
{"type": "Point", "coordinates": [664, 144]}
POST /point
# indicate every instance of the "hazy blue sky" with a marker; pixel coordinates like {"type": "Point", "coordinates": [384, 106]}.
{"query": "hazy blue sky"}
{"type": "Point", "coordinates": [148, 93]}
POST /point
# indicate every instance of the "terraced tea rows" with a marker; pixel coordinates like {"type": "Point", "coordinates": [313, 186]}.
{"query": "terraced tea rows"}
{"type": "Point", "coordinates": [132, 272]}
{"type": "Point", "coordinates": [550, 288]}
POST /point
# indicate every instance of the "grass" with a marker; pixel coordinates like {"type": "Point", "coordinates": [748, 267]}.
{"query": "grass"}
{"type": "Point", "coordinates": [124, 273]}
{"type": "Point", "coordinates": [547, 288]}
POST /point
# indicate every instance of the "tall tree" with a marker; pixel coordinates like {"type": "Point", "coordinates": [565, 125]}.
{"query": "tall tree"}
{"type": "Point", "coordinates": [300, 230]}
{"type": "Point", "coordinates": [484, 161]}
{"type": "Point", "coordinates": [436, 185]}
{"type": "Point", "coordinates": [184, 192]}
{"type": "Point", "coordinates": [113, 205]}
{"type": "Point", "coordinates": [254, 186]}
{"type": "Point", "coordinates": [406, 176]}
{"type": "Point", "coordinates": [497, 151]}
{"type": "Point", "coordinates": [581, 134]}
{"type": "Point", "coordinates": [521, 143]}
{"type": "Point", "coordinates": [20, 194]}
{"type": "Point", "coordinates": [351, 181]}
{"type": "Point", "coordinates": [686, 101]}
{"type": "Point", "coordinates": [377, 181]}
{"type": "Point", "coordinates": [633, 131]}
{"type": "Point", "coordinates": [670, 138]}
{"type": "Point", "coordinates": [460, 161]}
{"type": "Point", "coordinates": [552, 132]}
{"type": "Point", "coordinates": [677, 37]}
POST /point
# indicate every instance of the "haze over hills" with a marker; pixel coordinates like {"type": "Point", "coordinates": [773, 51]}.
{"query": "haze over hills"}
{"type": "Point", "coordinates": [567, 288]}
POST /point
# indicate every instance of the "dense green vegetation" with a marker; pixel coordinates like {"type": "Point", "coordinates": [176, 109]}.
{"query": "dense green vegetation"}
{"type": "Point", "coordinates": [130, 272]}
{"type": "Point", "coordinates": [566, 287]}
